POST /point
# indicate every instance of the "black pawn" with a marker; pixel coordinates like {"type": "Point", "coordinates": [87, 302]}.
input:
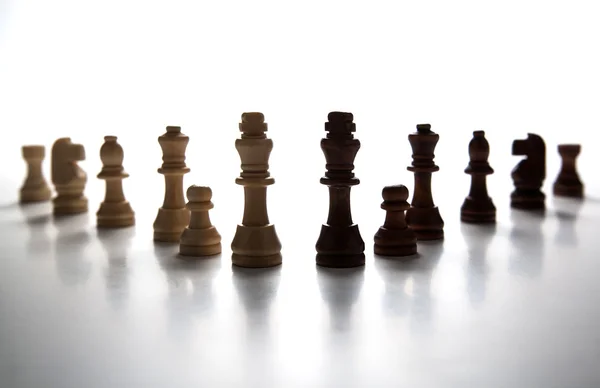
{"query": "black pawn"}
{"type": "Point", "coordinates": [340, 244]}
{"type": "Point", "coordinates": [478, 207]}
{"type": "Point", "coordinates": [423, 216]}
{"type": "Point", "coordinates": [395, 238]}
{"type": "Point", "coordinates": [528, 176]}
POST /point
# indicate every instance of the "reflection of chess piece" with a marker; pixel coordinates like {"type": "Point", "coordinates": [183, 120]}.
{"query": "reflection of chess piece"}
{"type": "Point", "coordinates": [39, 243]}
{"type": "Point", "coordinates": [173, 216]}
{"type": "Point", "coordinates": [191, 294]}
{"type": "Point", "coordinates": [35, 188]}
{"type": "Point", "coordinates": [424, 217]}
{"type": "Point", "coordinates": [257, 291]}
{"type": "Point", "coordinates": [340, 244]}
{"type": "Point", "coordinates": [478, 241]}
{"type": "Point", "coordinates": [528, 176]}
{"type": "Point", "coordinates": [340, 289]}
{"type": "Point", "coordinates": [116, 244]}
{"type": "Point", "coordinates": [527, 243]}
{"type": "Point", "coordinates": [69, 250]}
{"type": "Point", "coordinates": [114, 211]}
{"type": "Point", "coordinates": [478, 207]}
{"type": "Point", "coordinates": [68, 178]}
{"type": "Point", "coordinates": [255, 243]}
{"type": "Point", "coordinates": [567, 183]}
{"type": "Point", "coordinates": [200, 238]}
{"type": "Point", "coordinates": [395, 238]}
{"type": "Point", "coordinates": [567, 220]}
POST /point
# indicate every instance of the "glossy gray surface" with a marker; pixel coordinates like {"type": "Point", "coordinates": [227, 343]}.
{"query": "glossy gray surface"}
{"type": "Point", "coordinates": [514, 305]}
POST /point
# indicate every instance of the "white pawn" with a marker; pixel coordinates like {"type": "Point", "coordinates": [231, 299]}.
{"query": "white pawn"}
{"type": "Point", "coordinates": [200, 238]}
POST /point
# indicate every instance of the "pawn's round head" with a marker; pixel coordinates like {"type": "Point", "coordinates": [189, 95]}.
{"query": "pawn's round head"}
{"type": "Point", "coordinates": [396, 193]}
{"type": "Point", "coordinates": [199, 193]}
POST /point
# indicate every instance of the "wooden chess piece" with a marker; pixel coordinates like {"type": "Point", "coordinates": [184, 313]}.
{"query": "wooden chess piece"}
{"type": "Point", "coordinates": [478, 207]}
{"type": "Point", "coordinates": [115, 211]}
{"type": "Point", "coordinates": [200, 238]}
{"type": "Point", "coordinates": [255, 243]}
{"type": "Point", "coordinates": [35, 188]}
{"type": "Point", "coordinates": [340, 244]}
{"type": "Point", "coordinates": [173, 217]}
{"type": "Point", "coordinates": [68, 178]}
{"type": "Point", "coordinates": [567, 183]}
{"type": "Point", "coordinates": [395, 238]}
{"type": "Point", "coordinates": [423, 216]}
{"type": "Point", "coordinates": [529, 174]}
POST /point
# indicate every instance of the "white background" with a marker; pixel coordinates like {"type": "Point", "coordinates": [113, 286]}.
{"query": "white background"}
{"type": "Point", "coordinates": [517, 307]}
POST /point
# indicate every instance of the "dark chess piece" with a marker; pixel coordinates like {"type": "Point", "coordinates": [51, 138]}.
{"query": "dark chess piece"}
{"type": "Point", "coordinates": [567, 183]}
{"type": "Point", "coordinates": [423, 216]}
{"type": "Point", "coordinates": [340, 244]}
{"type": "Point", "coordinates": [478, 207]}
{"type": "Point", "coordinates": [528, 176]}
{"type": "Point", "coordinates": [395, 238]}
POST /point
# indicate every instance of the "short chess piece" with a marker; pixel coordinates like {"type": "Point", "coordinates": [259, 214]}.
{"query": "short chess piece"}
{"type": "Point", "coordinates": [424, 217]}
{"type": "Point", "coordinates": [340, 244]}
{"type": "Point", "coordinates": [68, 178]}
{"type": "Point", "coordinates": [529, 174]}
{"type": "Point", "coordinates": [200, 238]}
{"type": "Point", "coordinates": [173, 217]}
{"type": "Point", "coordinates": [478, 207]}
{"type": "Point", "coordinates": [395, 238]}
{"type": "Point", "coordinates": [35, 188]}
{"type": "Point", "coordinates": [255, 243]}
{"type": "Point", "coordinates": [567, 183]}
{"type": "Point", "coordinates": [115, 211]}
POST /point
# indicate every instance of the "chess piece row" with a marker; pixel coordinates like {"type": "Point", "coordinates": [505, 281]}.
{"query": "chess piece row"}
{"type": "Point", "coordinates": [256, 243]}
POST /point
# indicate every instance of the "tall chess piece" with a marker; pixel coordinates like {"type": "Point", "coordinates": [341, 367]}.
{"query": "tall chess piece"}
{"type": "Point", "coordinates": [35, 188]}
{"type": "Point", "coordinates": [395, 238]}
{"type": "Point", "coordinates": [68, 178]}
{"type": "Point", "coordinates": [115, 211]}
{"type": "Point", "coordinates": [567, 183]}
{"type": "Point", "coordinates": [529, 174]}
{"type": "Point", "coordinates": [478, 207]}
{"type": "Point", "coordinates": [340, 244]}
{"type": "Point", "coordinates": [423, 216]}
{"type": "Point", "coordinates": [255, 243]}
{"type": "Point", "coordinates": [200, 238]}
{"type": "Point", "coordinates": [173, 216]}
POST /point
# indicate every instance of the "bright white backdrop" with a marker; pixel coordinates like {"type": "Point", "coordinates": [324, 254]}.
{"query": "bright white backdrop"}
{"type": "Point", "coordinates": [515, 306]}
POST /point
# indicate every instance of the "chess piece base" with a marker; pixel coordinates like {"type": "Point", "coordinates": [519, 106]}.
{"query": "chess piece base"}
{"type": "Point", "coordinates": [200, 242]}
{"type": "Point", "coordinates": [35, 194]}
{"type": "Point", "coordinates": [572, 191]}
{"type": "Point", "coordinates": [256, 247]}
{"type": "Point", "coordinates": [340, 247]}
{"type": "Point", "coordinates": [426, 223]}
{"type": "Point", "coordinates": [527, 200]}
{"type": "Point", "coordinates": [115, 215]}
{"type": "Point", "coordinates": [482, 212]}
{"type": "Point", "coordinates": [395, 242]}
{"type": "Point", "coordinates": [69, 205]}
{"type": "Point", "coordinates": [170, 224]}
{"type": "Point", "coordinates": [199, 251]}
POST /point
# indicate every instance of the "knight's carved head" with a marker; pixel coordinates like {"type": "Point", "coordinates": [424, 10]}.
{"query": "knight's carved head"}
{"type": "Point", "coordinates": [534, 148]}
{"type": "Point", "coordinates": [65, 156]}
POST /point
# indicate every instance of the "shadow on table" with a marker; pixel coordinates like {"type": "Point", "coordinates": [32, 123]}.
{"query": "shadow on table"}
{"type": "Point", "coordinates": [408, 284]}
{"type": "Point", "coordinates": [340, 289]}
{"type": "Point", "coordinates": [478, 239]}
